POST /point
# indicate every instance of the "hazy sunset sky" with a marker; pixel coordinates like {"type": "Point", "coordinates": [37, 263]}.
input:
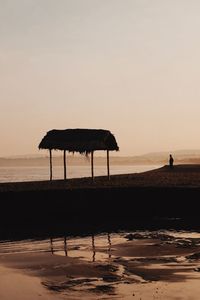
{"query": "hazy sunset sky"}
{"type": "Point", "coordinates": [129, 66]}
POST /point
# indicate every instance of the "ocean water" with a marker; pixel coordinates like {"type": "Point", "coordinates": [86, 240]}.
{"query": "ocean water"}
{"type": "Point", "coordinates": [16, 174]}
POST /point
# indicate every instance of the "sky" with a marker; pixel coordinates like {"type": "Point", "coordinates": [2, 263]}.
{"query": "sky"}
{"type": "Point", "coordinates": [129, 66]}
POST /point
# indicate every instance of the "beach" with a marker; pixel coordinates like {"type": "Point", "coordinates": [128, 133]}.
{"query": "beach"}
{"type": "Point", "coordinates": [131, 237]}
{"type": "Point", "coordinates": [185, 175]}
{"type": "Point", "coordinates": [99, 156]}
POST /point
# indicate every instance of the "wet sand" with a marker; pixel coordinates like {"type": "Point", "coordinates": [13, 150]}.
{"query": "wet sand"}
{"type": "Point", "coordinates": [145, 265]}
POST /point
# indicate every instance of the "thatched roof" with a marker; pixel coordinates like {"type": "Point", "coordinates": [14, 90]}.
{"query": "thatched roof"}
{"type": "Point", "coordinates": [79, 140]}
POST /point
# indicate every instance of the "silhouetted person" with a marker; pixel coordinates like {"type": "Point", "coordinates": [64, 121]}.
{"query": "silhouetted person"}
{"type": "Point", "coordinates": [171, 161]}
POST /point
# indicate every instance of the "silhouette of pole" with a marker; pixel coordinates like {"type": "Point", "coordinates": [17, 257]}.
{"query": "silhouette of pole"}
{"type": "Point", "coordinates": [109, 245]}
{"type": "Point", "coordinates": [50, 156]}
{"type": "Point", "coordinates": [93, 249]}
{"type": "Point", "coordinates": [65, 245]}
{"type": "Point", "coordinates": [108, 166]}
{"type": "Point", "coordinates": [64, 159]}
{"type": "Point", "coordinates": [92, 164]}
{"type": "Point", "coordinates": [51, 245]}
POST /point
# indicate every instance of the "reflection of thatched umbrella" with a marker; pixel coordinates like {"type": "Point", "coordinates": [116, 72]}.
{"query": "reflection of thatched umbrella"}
{"type": "Point", "coordinates": [84, 141]}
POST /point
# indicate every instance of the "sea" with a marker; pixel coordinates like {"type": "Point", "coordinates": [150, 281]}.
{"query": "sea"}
{"type": "Point", "coordinates": [38, 173]}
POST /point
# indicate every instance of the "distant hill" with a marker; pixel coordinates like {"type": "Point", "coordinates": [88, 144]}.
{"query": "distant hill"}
{"type": "Point", "coordinates": [180, 156]}
{"type": "Point", "coordinates": [155, 158]}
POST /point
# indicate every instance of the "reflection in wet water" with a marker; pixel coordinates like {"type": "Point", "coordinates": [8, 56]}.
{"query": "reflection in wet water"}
{"type": "Point", "coordinates": [109, 246]}
{"type": "Point", "coordinates": [56, 246]}
{"type": "Point", "coordinates": [87, 247]}
{"type": "Point", "coordinates": [90, 248]}
{"type": "Point", "coordinates": [93, 249]}
{"type": "Point", "coordinates": [65, 245]}
{"type": "Point", "coordinates": [51, 245]}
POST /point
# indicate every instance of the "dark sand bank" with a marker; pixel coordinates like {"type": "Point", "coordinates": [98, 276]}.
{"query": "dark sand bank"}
{"type": "Point", "coordinates": [124, 201]}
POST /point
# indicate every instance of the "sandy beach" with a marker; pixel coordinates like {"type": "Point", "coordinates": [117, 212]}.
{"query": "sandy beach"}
{"type": "Point", "coordinates": [137, 265]}
{"type": "Point", "coordinates": [116, 264]}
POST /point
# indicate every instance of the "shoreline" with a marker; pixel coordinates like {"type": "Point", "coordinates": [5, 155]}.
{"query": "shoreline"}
{"type": "Point", "coordinates": [187, 176]}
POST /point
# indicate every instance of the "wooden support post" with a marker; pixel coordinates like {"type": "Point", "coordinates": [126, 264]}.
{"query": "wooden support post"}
{"type": "Point", "coordinates": [92, 164]}
{"type": "Point", "coordinates": [64, 159]}
{"type": "Point", "coordinates": [50, 156]}
{"type": "Point", "coordinates": [108, 165]}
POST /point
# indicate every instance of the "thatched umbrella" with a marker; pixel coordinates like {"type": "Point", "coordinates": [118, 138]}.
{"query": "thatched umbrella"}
{"type": "Point", "coordinates": [84, 141]}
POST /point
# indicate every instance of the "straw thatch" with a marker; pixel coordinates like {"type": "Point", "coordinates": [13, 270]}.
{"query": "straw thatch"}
{"type": "Point", "coordinates": [83, 141]}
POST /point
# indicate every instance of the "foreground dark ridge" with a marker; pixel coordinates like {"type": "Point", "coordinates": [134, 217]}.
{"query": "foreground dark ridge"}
{"type": "Point", "coordinates": [124, 201]}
